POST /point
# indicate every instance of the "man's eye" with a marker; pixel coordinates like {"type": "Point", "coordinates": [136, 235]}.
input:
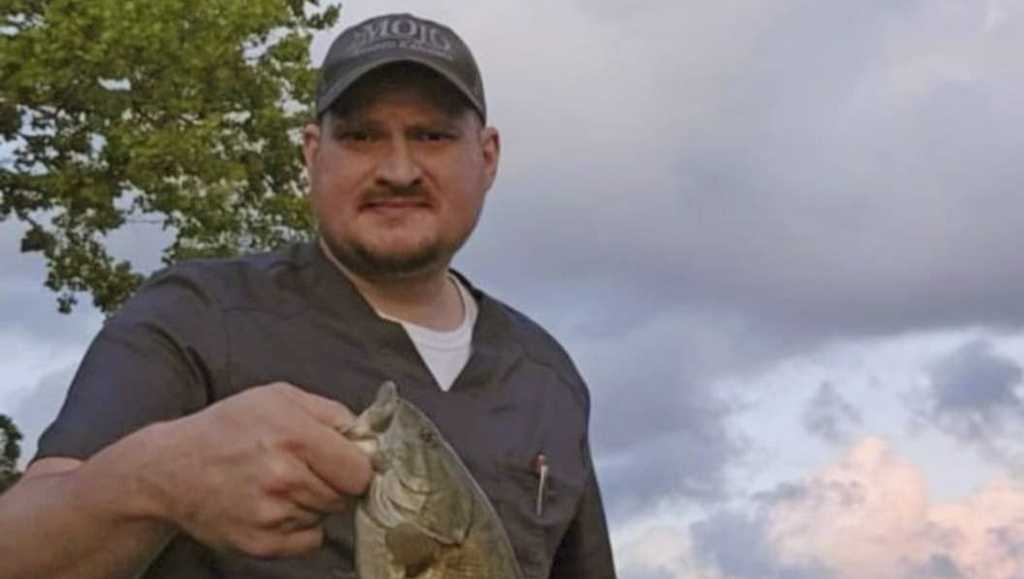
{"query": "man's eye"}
{"type": "Point", "coordinates": [434, 136]}
{"type": "Point", "coordinates": [355, 136]}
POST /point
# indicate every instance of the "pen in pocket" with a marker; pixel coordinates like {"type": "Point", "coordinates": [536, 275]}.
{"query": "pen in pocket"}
{"type": "Point", "coordinates": [541, 466]}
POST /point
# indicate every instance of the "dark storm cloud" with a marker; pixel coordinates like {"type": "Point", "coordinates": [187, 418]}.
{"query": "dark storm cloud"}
{"type": "Point", "coordinates": [673, 465]}
{"type": "Point", "coordinates": [975, 381]}
{"type": "Point", "coordinates": [737, 545]}
{"type": "Point", "coordinates": [658, 428]}
{"type": "Point", "coordinates": [794, 163]}
{"type": "Point", "coordinates": [973, 391]}
{"type": "Point", "coordinates": [974, 395]}
{"type": "Point", "coordinates": [830, 416]}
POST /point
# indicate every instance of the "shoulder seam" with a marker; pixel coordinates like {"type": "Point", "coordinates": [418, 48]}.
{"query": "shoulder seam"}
{"type": "Point", "coordinates": [567, 374]}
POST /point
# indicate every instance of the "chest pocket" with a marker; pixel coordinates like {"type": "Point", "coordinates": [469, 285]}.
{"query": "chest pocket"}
{"type": "Point", "coordinates": [537, 532]}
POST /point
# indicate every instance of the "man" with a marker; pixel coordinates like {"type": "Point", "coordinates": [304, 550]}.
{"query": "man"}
{"type": "Point", "coordinates": [200, 437]}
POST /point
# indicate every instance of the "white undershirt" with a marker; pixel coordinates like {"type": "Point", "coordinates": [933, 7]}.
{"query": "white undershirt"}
{"type": "Point", "coordinates": [445, 353]}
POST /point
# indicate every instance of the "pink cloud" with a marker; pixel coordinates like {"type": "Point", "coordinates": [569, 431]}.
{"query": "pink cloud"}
{"type": "Point", "coordinates": [868, 516]}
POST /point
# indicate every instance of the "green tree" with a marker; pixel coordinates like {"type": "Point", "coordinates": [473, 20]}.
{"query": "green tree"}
{"type": "Point", "coordinates": [10, 451]}
{"type": "Point", "coordinates": [183, 114]}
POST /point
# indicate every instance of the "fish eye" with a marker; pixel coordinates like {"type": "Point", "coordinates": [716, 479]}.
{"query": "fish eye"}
{"type": "Point", "coordinates": [428, 437]}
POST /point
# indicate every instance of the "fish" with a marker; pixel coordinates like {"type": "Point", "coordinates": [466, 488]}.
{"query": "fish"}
{"type": "Point", "coordinates": [423, 516]}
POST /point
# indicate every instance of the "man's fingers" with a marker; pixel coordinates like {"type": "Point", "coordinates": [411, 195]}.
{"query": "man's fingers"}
{"type": "Point", "coordinates": [316, 439]}
{"type": "Point", "coordinates": [328, 454]}
{"type": "Point", "coordinates": [336, 460]}
{"type": "Point", "coordinates": [301, 519]}
{"type": "Point", "coordinates": [317, 496]}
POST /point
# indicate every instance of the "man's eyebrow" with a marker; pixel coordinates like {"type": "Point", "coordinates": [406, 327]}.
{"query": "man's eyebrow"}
{"type": "Point", "coordinates": [444, 123]}
{"type": "Point", "coordinates": [347, 123]}
{"type": "Point", "coordinates": [439, 122]}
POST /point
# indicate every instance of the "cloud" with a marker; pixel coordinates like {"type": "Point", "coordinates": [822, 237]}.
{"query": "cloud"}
{"type": "Point", "coordinates": [649, 574]}
{"type": "Point", "coordinates": [37, 410]}
{"type": "Point", "coordinates": [821, 182]}
{"type": "Point", "coordinates": [939, 567]}
{"type": "Point", "coordinates": [661, 551]}
{"type": "Point", "coordinates": [860, 516]}
{"type": "Point", "coordinates": [38, 341]}
{"type": "Point", "coordinates": [31, 309]}
{"type": "Point", "coordinates": [984, 535]}
{"type": "Point", "coordinates": [866, 516]}
{"type": "Point", "coordinates": [738, 546]}
{"type": "Point", "coordinates": [659, 428]}
{"type": "Point", "coordinates": [869, 516]}
{"type": "Point", "coordinates": [29, 314]}
{"type": "Point", "coordinates": [830, 416]}
{"type": "Point", "coordinates": [978, 386]}
{"type": "Point", "coordinates": [974, 394]}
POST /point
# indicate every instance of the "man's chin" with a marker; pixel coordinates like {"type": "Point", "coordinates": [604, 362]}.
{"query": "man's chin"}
{"type": "Point", "coordinates": [368, 263]}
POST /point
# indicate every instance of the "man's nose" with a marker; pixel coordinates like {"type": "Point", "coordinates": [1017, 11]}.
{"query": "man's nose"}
{"type": "Point", "coordinates": [399, 167]}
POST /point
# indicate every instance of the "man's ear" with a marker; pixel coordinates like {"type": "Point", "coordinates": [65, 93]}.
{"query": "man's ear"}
{"type": "Point", "coordinates": [490, 142]}
{"type": "Point", "coordinates": [310, 144]}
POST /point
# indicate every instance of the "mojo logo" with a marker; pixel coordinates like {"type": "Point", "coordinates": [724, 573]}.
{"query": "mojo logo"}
{"type": "Point", "coordinates": [407, 31]}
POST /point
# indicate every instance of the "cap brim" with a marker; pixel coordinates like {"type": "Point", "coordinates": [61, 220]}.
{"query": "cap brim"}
{"type": "Point", "coordinates": [344, 83]}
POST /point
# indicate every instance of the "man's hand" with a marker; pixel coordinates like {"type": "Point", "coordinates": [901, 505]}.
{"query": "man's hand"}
{"type": "Point", "coordinates": [256, 472]}
{"type": "Point", "coordinates": [253, 473]}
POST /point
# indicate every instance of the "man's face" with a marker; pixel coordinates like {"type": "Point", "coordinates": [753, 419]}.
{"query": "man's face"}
{"type": "Point", "coordinates": [398, 177]}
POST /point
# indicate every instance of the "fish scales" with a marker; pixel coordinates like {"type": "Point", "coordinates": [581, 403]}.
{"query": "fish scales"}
{"type": "Point", "coordinates": [423, 516]}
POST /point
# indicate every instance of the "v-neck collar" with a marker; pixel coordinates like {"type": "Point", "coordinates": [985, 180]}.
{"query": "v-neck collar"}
{"type": "Point", "coordinates": [494, 348]}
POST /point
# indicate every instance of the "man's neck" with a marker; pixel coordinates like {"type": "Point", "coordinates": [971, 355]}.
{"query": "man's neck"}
{"type": "Point", "coordinates": [431, 299]}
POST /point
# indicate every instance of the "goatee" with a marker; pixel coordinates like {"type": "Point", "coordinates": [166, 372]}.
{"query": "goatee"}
{"type": "Point", "coordinates": [367, 264]}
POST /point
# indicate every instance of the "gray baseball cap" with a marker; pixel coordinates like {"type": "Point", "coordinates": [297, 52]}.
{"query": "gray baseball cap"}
{"type": "Point", "coordinates": [398, 38]}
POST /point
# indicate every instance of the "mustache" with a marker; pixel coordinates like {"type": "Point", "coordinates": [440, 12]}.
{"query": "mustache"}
{"type": "Point", "coordinates": [384, 194]}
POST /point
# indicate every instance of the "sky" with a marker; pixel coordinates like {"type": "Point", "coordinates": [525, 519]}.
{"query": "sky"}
{"type": "Point", "coordinates": [778, 239]}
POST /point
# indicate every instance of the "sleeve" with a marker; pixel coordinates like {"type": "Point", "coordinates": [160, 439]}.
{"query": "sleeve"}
{"type": "Point", "coordinates": [585, 551]}
{"type": "Point", "coordinates": [155, 360]}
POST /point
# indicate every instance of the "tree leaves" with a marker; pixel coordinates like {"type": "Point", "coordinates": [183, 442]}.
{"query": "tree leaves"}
{"type": "Point", "coordinates": [170, 111]}
{"type": "Point", "coordinates": [10, 452]}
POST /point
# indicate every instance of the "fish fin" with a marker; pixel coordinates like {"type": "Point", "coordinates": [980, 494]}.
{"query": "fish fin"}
{"type": "Point", "coordinates": [371, 552]}
{"type": "Point", "coordinates": [376, 418]}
